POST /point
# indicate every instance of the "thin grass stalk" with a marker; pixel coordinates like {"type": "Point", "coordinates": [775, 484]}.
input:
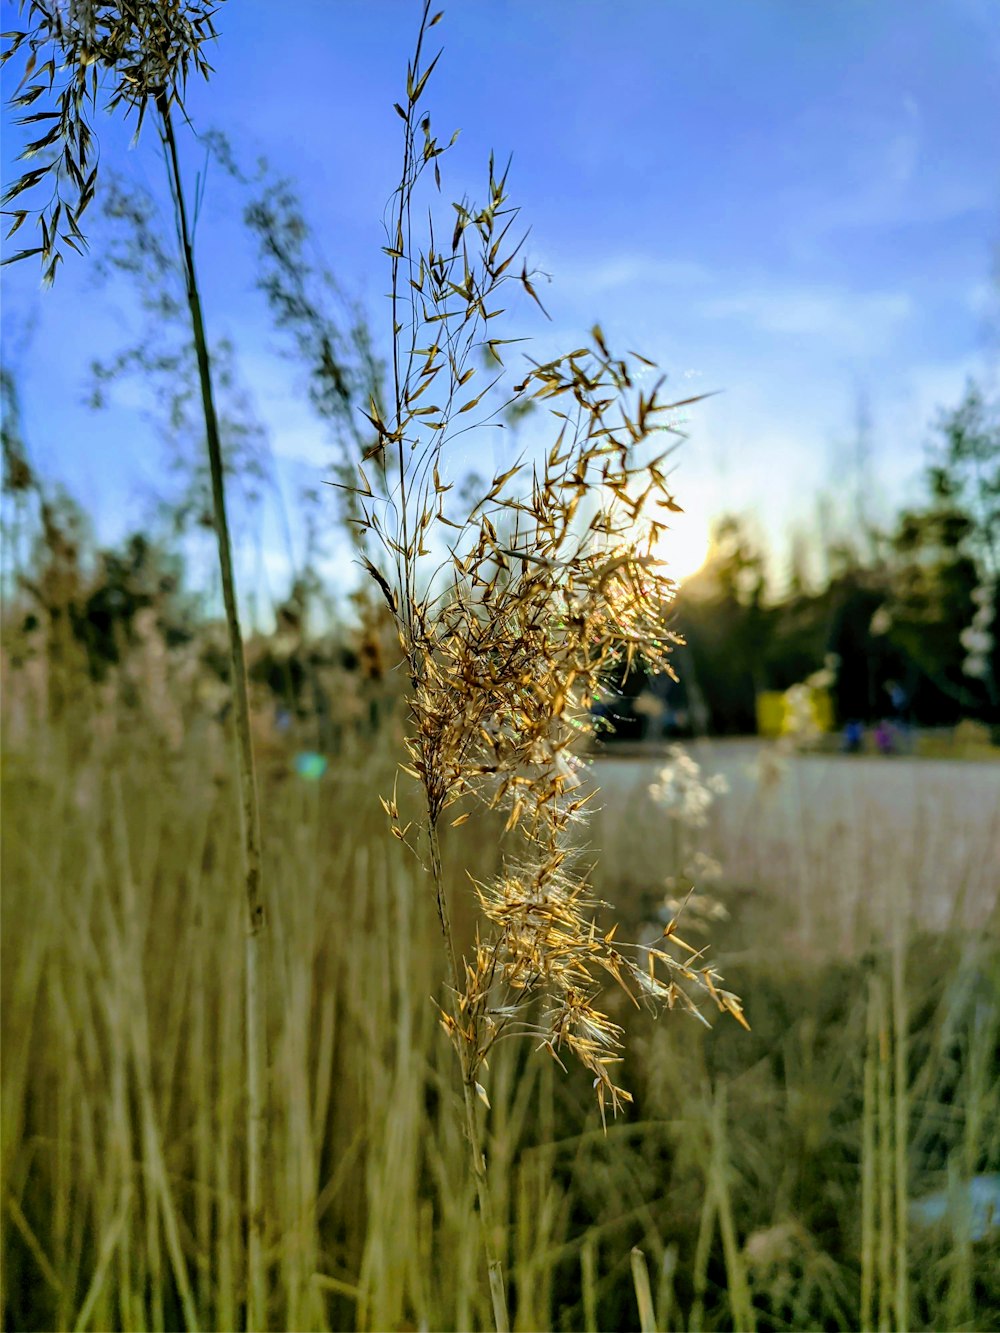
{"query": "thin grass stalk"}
{"type": "Point", "coordinates": [665, 1286]}
{"type": "Point", "coordinates": [884, 1165]}
{"type": "Point", "coordinates": [901, 1133]}
{"type": "Point", "coordinates": [643, 1295]}
{"type": "Point", "coordinates": [34, 1245]}
{"type": "Point", "coordinates": [702, 1254]}
{"type": "Point", "coordinates": [551, 1201]}
{"type": "Point", "coordinates": [74, 1120]}
{"type": "Point", "coordinates": [588, 1281]}
{"type": "Point", "coordinates": [109, 1244]}
{"type": "Point", "coordinates": [227, 1240]}
{"type": "Point", "coordinates": [14, 1094]}
{"type": "Point", "coordinates": [249, 803]}
{"type": "Point", "coordinates": [740, 1301]}
{"type": "Point", "coordinates": [960, 1306]}
{"type": "Point", "coordinates": [127, 965]}
{"type": "Point", "coordinates": [868, 1165]}
{"type": "Point", "coordinates": [958, 1302]}
{"type": "Point", "coordinates": [494, 1263]}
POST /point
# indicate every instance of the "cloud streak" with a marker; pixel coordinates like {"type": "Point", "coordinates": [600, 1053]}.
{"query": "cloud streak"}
{"type": "Point", "coordinates": [857, 321]}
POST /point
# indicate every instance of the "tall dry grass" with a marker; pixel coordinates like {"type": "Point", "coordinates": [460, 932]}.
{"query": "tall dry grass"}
{"type": "Point", "coordinates": [511, 613]}
{"type": "Point", "coordinates": [758, 1182]}
{"type": "Point", "coordinates": [766, 1180]}
{"type": "Point", "coordinates": [140, 57]}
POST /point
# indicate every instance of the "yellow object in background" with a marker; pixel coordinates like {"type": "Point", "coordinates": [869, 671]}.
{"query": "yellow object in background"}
{"type": "Point", "coordinates": [823, 710]}
{"type": "Point", "coordinates": [773, 710]}
{"type": "Point", "coordinates": [770, 712]}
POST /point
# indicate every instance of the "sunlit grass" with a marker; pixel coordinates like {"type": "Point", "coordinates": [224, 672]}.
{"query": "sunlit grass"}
{"type": "Point", "coordinates": [765, 1177]}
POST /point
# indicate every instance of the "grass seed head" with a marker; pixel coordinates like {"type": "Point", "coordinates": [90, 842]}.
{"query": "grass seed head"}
{"type": "Point", "coordinates": [513, 614]}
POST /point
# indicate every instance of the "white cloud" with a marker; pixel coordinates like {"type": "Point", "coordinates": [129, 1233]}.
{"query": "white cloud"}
{"type": "Point", "coordinates": [278, 387]}
{"type": "Point", "coordinates": [597, 274]}
{"type": "Point", "coordinates": [851, 322]}
{"type": "Point", "coordinates": [627, 270]}
{"type": "Point", "coordinates": [887, 171]}
{"type": "Point", "coordinates": [855, 321]}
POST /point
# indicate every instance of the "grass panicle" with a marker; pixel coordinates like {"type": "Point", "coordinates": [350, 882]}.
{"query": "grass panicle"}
{"type": "Point", "coordinates": [511, 617]}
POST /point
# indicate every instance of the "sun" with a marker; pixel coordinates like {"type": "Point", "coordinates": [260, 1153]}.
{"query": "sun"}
{"type": "Point", "coordinates": [685, 546]}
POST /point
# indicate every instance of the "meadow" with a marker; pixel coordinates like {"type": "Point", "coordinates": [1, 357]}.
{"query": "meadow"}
{"type": "Point", "coordinates": [230, 1094]}
{"type": "Point", "coordinates": [767, 1180]}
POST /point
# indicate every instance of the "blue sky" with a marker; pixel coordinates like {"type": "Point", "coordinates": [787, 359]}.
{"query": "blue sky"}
{"type": "Point", "coordinates": [794, 203]}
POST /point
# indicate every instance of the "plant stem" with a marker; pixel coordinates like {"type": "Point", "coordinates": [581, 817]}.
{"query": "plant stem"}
{"type": "Point", "coordinates": [868, 1162]}
{"type": "Point", "coordinates": [643, 1295]}
{"type": "Point", "coordinates": [249, 804]}
{"type": "Point", "coordinates": [900, 1103]}
{"type": "Point", "coordinates": [884, 1161]}
{"type": "Point", "coordinates": [486, 1220]}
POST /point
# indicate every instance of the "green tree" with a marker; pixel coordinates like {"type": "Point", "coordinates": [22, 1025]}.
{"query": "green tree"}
{"type": "Point", "coordinates": [965, 474]}
{"type": "Point", "coordinates": [722, 614]}
{"type": "Point", "coordinates": [945, 559]}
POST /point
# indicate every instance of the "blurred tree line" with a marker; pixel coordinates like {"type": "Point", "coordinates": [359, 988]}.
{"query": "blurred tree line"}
{"type": "Point", "coordinates": [82, 618]}
{"type": "Point", "coordinates": [907, 616]}
{"type": "Point", "coordinates": [908, 613]}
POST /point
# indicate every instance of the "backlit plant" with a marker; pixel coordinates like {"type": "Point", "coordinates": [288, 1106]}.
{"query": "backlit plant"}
{"type": "Point", "coordinates": [510, 619]}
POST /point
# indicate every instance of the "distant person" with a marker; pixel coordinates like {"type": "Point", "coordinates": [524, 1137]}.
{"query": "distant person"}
{"type": "Point", "coordinates": [884, 739]}
{"type": "Point", "coordinates": [853, 736]}
{"type": "Point", "coordinates": [900, 715]}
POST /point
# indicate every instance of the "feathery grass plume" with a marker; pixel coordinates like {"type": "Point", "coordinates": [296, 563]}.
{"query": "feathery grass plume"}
{"type": "Point", "coordinates": [512, 639]}
{"type": "Point", "coordinates": [511, 617]}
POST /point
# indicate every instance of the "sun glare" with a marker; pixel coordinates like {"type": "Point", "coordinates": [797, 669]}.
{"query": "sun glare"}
{"type": "Point", "coordinates": [685, 546]}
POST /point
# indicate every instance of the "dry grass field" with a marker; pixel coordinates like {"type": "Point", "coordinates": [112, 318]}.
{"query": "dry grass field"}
{"type": "Point", "coordinates": [763, 1180]}
{"type": "Point", "coordinates": [232, 1002]}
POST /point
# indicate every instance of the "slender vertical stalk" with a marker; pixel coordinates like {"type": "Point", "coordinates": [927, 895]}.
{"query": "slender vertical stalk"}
{"type": "Point", "coordinates": [588, 1280]}
{"type": "Point", "coordinates": [486, 1220]}
{"type": "Point", "coordinates": [249, 805]}
{"type": "Point", "coordinates": [868, 1164]}
{"type": "Point", "coordinates": [900, 1105]}
{"type": "Point", "coordinates": [643, 1295]}
{"type": "Point", "coordinates": [702, 1254]}
{"type": "Point", "coordinates": [740, 1300]}
{"type": "Point", "coordinates": [885, 1161]}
